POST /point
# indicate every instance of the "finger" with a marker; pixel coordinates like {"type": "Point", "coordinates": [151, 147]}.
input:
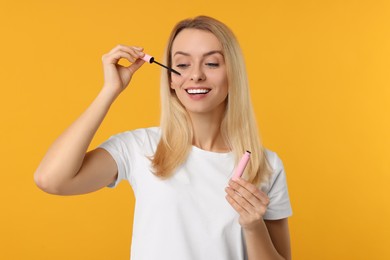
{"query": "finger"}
{"type": "Point", "coordinates": [237, 207]}
{"type": "Point", "coordinates": [255, 208]}
{"type": "Point", "coordinates": [252, 189]}
{"type": "Point", "coordinates": [116, 56]}
{"type": "Point", "coordinates": [257, 204]}
{"type": "Point", "coordinates": [135, 52]}
{"type": "Point", "coordinates": [240, 200]}
{"type": "Point", "coordinates": [244, 192]}
{"type": "Point", "coordinates": [121, 47]}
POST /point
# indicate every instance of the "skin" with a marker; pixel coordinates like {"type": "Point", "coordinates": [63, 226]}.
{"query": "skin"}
{"type": "Point", "coordinates": [68, 169]}
{"type": "Point", "coordinates": [197, 55]}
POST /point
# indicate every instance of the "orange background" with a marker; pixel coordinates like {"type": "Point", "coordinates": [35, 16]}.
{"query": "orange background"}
{"type": "Point", "coordinates": [319, 75]}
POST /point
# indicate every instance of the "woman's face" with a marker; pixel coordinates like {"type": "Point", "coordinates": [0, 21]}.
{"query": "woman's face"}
{"type": "Point", "coordinates": [203, 84]}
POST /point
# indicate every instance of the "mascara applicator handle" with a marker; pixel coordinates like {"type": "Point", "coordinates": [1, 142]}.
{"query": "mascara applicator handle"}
{"type": "Point", "coordinates": [148, 58]}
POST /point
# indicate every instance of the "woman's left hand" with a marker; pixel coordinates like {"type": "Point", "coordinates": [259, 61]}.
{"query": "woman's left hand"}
{"type": "Point", "coordinates": [249, 201]}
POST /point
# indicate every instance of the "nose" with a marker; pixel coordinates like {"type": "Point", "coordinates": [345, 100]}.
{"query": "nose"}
{"type": "Point", "coordinates": [197, 74]}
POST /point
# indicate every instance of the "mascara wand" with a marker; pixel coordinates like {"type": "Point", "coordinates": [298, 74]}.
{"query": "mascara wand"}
{"type": "Point", "coordinates": [151, 59]}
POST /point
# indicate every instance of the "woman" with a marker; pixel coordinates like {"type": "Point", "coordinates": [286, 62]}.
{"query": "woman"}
{"type": "Point", "coordinates": [187, 205]}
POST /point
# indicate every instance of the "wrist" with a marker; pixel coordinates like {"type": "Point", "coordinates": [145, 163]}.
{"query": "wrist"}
{"type": "Point", "coordinates": [255, 228]}
{"type": "Point", "coordinates": [107, 95]}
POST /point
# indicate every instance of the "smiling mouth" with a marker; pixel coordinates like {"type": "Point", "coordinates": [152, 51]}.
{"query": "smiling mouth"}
{"type": "Point", "coordinates": [197, 91]}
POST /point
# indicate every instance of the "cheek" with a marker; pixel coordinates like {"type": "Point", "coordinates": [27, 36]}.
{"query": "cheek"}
{"type": "Point", "coordinates": [177, 81]}
{"type": "Point", "coordinates": [221, 81]}
{"type": "Point", "coordinates": [225, 83]}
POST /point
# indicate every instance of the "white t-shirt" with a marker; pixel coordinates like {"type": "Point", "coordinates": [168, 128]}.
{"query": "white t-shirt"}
{"type": "Point", "coordinates": [187, 217]}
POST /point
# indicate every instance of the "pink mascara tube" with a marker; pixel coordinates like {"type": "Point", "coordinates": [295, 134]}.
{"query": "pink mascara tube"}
{"type": "Point", "coordinates": [241, 165]}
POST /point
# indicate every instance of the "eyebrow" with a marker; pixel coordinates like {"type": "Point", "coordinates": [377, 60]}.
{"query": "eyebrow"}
{"type": "Point", "coordinates": [204, 55]}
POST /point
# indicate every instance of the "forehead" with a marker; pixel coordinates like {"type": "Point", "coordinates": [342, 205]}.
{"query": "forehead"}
{"type": "Point", "coordinates": [195, 41]}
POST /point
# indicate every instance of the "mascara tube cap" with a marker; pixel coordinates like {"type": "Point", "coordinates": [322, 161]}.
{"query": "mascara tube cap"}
{"type": "Point", "coordinates": [148, 58]}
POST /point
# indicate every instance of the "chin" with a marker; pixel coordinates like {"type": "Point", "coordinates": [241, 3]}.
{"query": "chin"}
{"type": "Point", "coordinates": [204, 109]}
{"type": "Point", "coordinates": [198, 110]}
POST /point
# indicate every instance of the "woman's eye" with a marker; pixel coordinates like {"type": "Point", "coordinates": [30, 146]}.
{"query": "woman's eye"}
{"type": "Point", "coordinates": [210, 64]}
{"type": "Point", "coordinates": [182, 65]}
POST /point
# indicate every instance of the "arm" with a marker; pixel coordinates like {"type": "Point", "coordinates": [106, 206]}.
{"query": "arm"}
{"type": "Point", "coordinates": [66, 167]}
{"type": "Point", "coordinates": [270, 240]}
{"type": "Point", "coordinates": [67, 157]}
{"type": "Point", "coordinates": [280, 236]}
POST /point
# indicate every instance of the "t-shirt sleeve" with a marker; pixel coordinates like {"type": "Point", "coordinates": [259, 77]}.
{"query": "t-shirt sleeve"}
{"type": "Point", "coordinates": [125, 149]}
{"type": "Point", "coordinates": [119, 150]}
{"type": "Point", "coordinates": [279, 206]}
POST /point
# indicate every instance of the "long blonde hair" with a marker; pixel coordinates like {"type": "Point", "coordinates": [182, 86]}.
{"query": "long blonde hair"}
{"type": "Point", "coordinates": [238, 127]}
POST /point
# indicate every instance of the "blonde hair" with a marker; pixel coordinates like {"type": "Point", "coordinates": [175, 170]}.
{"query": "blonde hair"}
{"type": "Point", "coordinates": [238, 127]}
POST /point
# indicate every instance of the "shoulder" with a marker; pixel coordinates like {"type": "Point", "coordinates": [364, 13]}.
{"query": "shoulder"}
{"type": "Point", "coordinates": [277, 168]}
{"type": "Point", "coordinates": [276, 189]}
{"type": "Point", "coordinates": [139, 135]}
{"type": "Point", "coordinates": [143, 140]}
{"type": "Point", "coordinates": [273, 159]}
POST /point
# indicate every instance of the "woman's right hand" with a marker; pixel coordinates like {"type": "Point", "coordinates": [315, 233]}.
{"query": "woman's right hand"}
{"type": "Point", "coordinates": [117, 77]}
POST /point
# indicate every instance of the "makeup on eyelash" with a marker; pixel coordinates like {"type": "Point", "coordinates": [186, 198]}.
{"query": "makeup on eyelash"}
{"type": "Point", "coordinates": [207, 64]}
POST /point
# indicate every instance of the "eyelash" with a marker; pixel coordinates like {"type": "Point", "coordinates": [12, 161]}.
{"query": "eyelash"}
{"type": "Point", "coordinates": [210, 64]}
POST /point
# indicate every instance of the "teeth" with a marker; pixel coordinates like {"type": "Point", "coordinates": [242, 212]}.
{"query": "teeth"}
{"type": "Point", "coordinates": [197, 91]}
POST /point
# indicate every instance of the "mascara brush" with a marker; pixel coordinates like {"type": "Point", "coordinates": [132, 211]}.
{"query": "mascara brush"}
{"type": "Point", "coordinates": [151, 59]}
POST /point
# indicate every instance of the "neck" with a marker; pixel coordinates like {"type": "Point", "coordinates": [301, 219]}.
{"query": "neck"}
{"type": "Point", "coordinates": [207, 132]}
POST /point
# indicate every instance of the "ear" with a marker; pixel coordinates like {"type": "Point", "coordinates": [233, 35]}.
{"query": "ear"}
{"type": "Point", "coordinates": [171, 85]}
